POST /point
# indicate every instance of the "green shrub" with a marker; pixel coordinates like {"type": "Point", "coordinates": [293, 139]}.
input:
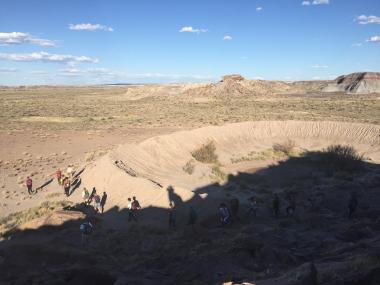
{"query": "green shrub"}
{"type": "Point", "coordinates": [206, 153]}
{"type": "Point", "coordinates": [343, 157]}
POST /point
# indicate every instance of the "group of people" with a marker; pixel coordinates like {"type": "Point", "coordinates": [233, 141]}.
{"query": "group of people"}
{"type": "Point", "coordinates": [64, 180]}
{"type": "Point", "coordinates": [227, 215]}
{"type": "Point", "coordinates": [133, 208]}
{"type": "Point", "coordinates": [94, 199]}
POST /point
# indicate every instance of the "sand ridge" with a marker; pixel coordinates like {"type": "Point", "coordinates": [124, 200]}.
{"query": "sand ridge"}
{"type": "Point", "coordinates": [162, 158]}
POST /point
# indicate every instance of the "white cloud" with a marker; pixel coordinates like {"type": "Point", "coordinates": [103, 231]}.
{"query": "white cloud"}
{"type": "Point", "coordinates": [192, 30]}
{"type": "Point", "coordinates": [89, 27]}
{"type": "Point", "coordinates": [315, 2]}
{"type": "Point", "coordinates": [91, 72]}
{"type": "Point", "coordinates": [46, 57]}
{"type": "Point", "coordinates": [319, 66]}
{"type": "Point", "coordinates": [227, 38]}
{"type": "Point", "coordinates": [16, 38]}
{"type": "Point", "coordinates": [259, 8]}
{"type": "Point", "coordinates": [8, 70]}
{"type": "Point", "coordinates": [363, 20]}
{"type": "Point", "coordinates": [321, 2]}
{"type": "Point", "coordinates": [374, 39]}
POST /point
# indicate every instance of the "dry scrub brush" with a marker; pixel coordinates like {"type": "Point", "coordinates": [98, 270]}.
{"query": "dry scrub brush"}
{"type": "Point", "coordinates": [13, 220]}
{"type": "Point", "coordinates": [343, 157]}
{"type": "Point", "coordinates": [206, 153]}
{"type": "Point", "coordinates": [189, 167]}
{"type": "Point", "coordinates": [286, 147]}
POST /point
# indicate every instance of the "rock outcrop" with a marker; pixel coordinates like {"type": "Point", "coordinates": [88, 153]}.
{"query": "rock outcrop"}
{"type": "Point", "coordinates": [356, 83]}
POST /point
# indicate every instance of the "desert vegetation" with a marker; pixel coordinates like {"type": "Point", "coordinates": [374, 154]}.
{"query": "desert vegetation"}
{"type": "Point", "coordinates": [206, 153]}
{"type": "Point", "coordinates": [286, 147]}
{"type": "Point", "coordinates": [13, 220]}
{"type": "Point", "coordinates": [91, 108]}
{"type": "Point", "coordinates": [189, 167]}
{"type": "Point", "coordinates": [342, 157]}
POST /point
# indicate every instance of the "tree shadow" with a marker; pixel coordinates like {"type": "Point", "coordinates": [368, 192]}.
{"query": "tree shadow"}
{"type": "Point", "coordinates": [251, 249]}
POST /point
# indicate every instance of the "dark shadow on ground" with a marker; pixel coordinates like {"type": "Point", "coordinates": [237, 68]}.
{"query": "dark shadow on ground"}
{"type": "Point", "coordinates": [249, 250]}
{"type": "Point", "coordinates": [75, 185]}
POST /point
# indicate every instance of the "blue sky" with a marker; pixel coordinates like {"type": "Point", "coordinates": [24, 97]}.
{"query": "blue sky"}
{"type": "Point", "coordinates": [146, 41]}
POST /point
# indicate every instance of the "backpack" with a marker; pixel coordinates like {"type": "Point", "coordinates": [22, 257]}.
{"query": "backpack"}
{"type": "Point", "coordinates": [86, 228]}
{"type": "Point", "coordinates": [135, 205]}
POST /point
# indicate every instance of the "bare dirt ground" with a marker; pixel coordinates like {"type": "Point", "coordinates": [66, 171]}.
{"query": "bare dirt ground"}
{"type": "Point", "coordinates": [45, 128]}
{"type": "Point", "coordinates": [146, 128]}
{"type": "Point", "coordinates": [39, 153]}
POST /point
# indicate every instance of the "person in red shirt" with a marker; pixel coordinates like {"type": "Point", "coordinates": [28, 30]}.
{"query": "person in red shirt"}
{"type": "Point", "coordinates": [58, 174]}
{"type": "Point", "coordinates": [29, 185]}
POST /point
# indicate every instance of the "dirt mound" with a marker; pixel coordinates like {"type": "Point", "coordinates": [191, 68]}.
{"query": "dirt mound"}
{"type": "Point", "coordinates": [162, 161]}
{"type": "Point", "coordinates": [260, 249]}
{"type": "Point", "coordinates": [356, 83]}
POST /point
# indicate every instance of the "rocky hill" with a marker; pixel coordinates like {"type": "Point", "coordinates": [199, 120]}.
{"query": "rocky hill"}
{"type": "Point", "coordinates": [237, 85]}
{"type": "Point", "coordinates": [357, 83]}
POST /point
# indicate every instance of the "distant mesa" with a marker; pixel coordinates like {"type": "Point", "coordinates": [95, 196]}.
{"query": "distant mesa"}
{"type": "Point", "coordinates": [232, 77]}
{"type": "Point", "coordinates": [356, 83]}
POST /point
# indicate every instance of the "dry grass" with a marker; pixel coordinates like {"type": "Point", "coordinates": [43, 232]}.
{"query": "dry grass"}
{"type": "Point", "coordinates": [15, 219]}
{"type": "Point", "coordinates": [189, 167]}
{"type": "Point", "coordinates": [286, 147]}
{"type": "Point", "coordinates": [112, 107]}
{"type": "Point", "coordinates": [217, 174]}
{"type": "Point", "coordinates": [269, 153]}
{"type": "Point", "coordinates": [206, 153]}
{"type": "Point", "coordinates": [92, 155]}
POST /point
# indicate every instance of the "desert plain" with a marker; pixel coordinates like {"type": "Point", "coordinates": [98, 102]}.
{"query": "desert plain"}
{"type": "Point", "coordinates": [211, 143]}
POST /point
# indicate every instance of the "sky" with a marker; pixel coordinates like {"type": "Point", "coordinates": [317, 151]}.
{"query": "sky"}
{"type": "Point", "coordinates": [162, 41]}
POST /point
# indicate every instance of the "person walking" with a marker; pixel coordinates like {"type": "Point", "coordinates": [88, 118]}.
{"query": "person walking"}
{"type": "Point", "coordinates": [29, 185]}
{"type": "Point", "coordinates": [131, 214]}
{"type": "Point", "coordinates": [135, 204]}
{"type": "Point", "coordinates": [97, 203]}
{"type": "Point", "coordinates": [103, 201]}
{"type": "Point", "coordinates": [58, 175]}
{"type": "Point", "coordinates": [172, 216]}
{"type": "Point", "coordinates": [66, 186]}
{"type": "Point", "coordinates": [93, 193]}
{"type": "Point", "coordinates": [224, 214]}
{"type": "Point", "coordinates": [252, 207]}
{"type": "Point", "coordinates": [291, 205]}
{"type": "Point", "coordinates": [85, 195]}
{"type": "Point", "coordinates": [61, 179]}
{"type": "Point", "coordinates": [70, 171]}
{"type": "Point", "coordinates": [86, 230]}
